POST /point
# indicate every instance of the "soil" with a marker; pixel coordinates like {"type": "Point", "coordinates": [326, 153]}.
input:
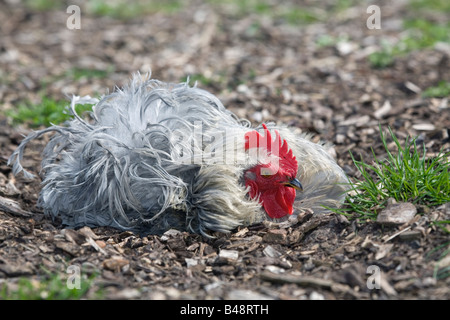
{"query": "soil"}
{"type": "Point", "coordinates": [263, 69]}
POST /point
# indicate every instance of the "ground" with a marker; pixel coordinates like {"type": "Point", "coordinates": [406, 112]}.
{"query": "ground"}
{"type": "Point", "coordinates": [310, 67]}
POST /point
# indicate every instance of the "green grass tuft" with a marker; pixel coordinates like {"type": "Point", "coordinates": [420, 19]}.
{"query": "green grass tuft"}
{"type": "Point", "coordinates": [293, 14]}
{"type": "Point", "coordinates": [79, 73]}
{"type": "Point", "coordinates": [442, 90]}
{"type": "Point", "coordinates": [301, 16]}
{"type": "Point", "coordinates": [420, 34]}
{"type": "Point", "coordinates": [48, 112]}
{"type": "Point", "coordinates": [124, 10]}
{"type": "Point", "coordinates": [43, 5]}
{"type": "Point", "coordinates": [51, 287]}
{"type": "Point", "coordinates": [384, 57]}
{"type": "Point", "coordinates": [436, 5]}
{"type": "Point", "coordinates": [407, 175]}
{"type": "Point", "coordinates": [197, 78]}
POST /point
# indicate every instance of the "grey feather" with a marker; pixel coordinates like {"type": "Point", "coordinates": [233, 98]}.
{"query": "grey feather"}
{"type": "Point", "coordinates": [157, 156]}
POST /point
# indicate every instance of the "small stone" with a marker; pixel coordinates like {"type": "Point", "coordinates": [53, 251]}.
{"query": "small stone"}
{"type": "Point", "coordinates": [88, 233]}
{"type": "Point", "coordinates": [126, 294]}
{"type": "Point", "coordinates": [115, 263]}
{"type": "Point", "coordinates": [213, 285]}
{"type": "Point", "coordinates": [424, 127]}
{"type": "Point", "coordinates": [156, 295]}
{"type": "Point", "coordinates": [227, 256]}
{"type": "Point", "coordinates": [274, 269]}
{"type": "Point", "coordinates": [309, 266]}
{"type": "Point", "coordinates": [316, 296]}
{"type": "Point", "coordinates": [242, 88]}
{"type": "Point", "coordinates": [68, 247]}
{"type": "Point", "coordinates": [429, 282]}
{"type": "Point", "coordinates": [190, 262]}
{"type": "Point", "coordinates": [412, 87]}
{"type": "Point", "coordinates": [384, 110]}
{"type": "Point", "coordinates": [239, 294]}
{"type": "Point", "coordinates": [350, 249]}
{"type": "Point", "coordinates": [345, 47]}
{"type": "Point", "coordinates": [171, 233]}
{"type": "Point", "coordinates": [101, 243]}
{"type": "Point", "coordinates": [339, 257]}
{"type": "Point", "coordinates": [383, 250]}
{"type": "Point", "coordinates": [397, 214]}
{"type": "Point", "coordinates": [15, 270]}
{"type": "Point", "coordinates": [410, 235]}
{"type": "Point", "coordinates": [257, 116]}
{"type": "Point", "coordinates": [275, 236]}
{"type": "Point", "coordinates": [270, 252]}
{"type": "Point", "coordinates": [173, 293]}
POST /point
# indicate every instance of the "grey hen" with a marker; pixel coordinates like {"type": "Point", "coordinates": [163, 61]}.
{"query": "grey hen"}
{"type": "Point", "coordinates": [157, 156]}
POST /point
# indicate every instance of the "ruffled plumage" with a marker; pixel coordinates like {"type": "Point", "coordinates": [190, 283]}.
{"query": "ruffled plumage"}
{"type": "Point", "coordinates": [157, 156]}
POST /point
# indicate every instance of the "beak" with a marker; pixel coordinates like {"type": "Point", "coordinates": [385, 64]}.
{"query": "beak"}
{"type": "Point", "coordinates": [294, 183]}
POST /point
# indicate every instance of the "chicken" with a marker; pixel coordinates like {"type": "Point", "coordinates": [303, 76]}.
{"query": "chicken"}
{"type": "Point", "coordinates": [157, 156]}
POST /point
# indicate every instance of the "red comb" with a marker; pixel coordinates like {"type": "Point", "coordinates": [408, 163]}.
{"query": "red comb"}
{"type": "Point", "coordinates": [278, 147]}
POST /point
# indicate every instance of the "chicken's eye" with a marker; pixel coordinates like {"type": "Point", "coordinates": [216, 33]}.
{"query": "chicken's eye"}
{"type": "Point", "coordinates": [266, 173]}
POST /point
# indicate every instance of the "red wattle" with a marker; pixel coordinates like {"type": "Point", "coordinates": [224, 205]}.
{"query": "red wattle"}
{"type": "Point", "coordinates": [278, 203]}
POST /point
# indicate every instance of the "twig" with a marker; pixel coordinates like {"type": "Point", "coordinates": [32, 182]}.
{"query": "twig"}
{"type": "Point", "coordinates": [397, 233]}
{"type": "Point", "coordinates": [12, 207]}
{"type": "Point", "coordinates": [299, 280]}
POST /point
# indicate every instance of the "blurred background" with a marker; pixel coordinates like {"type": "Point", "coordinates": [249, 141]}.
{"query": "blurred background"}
{"type": "Point", "coordinates": [313, 65]}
